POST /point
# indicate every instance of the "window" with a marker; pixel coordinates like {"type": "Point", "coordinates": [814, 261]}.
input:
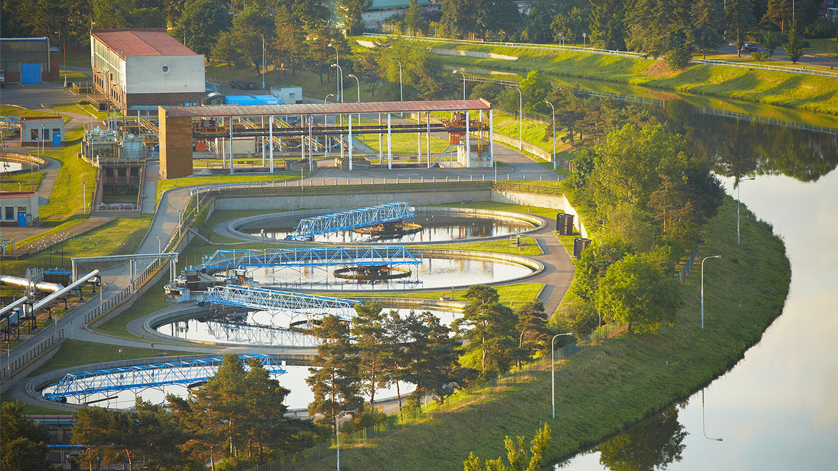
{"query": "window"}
{"type": "Point", "coordinates": [10, 213]}
{"type": "Point", "coordinates": [45, 134]}
{"type": "Point", "coordinates": [33, 134]}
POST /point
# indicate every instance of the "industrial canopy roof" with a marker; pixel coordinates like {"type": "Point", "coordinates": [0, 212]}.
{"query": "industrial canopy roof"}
{"type": "Point", "coordinates": [219, 111]}
{"type": "Point", "coordinates": [141, 42]}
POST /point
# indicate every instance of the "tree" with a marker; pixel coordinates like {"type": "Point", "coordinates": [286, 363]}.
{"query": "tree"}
{"type": "Point", "coordinates": [607, 24]}
{"type": "Point", "coordinates": [580, 318]}
{"type": "Point", "coordinates": [22, 443]}
{"type": "Point", "coordinates": [457, 18]}
{"type": "Point", "coordinates": [569, 25]}
{"type": "Point", "coordinates": [516, 455]}
{"type": "Point", "coordinates": [158, 436]}
{"type": "Point", "coordinates": [794, 46]}
{"type": "Point", "coordinates": [740, 19]}
{"type": "Point", "coordinates": [495, 16]}
{"type": "Point", "coordinates": [489, 328]}
{"type": "Point", "coordinates": [200, 25]}
{"type": "Point", "coordinates": [536, 27]}
{"type": "Point", "coordinates": [707, 31]}
{"type": "Point", "coordinates": [335, 377]}
{"type": "Point", "coordinates": [770, 41]}
{"type": "Point", "coordinates": [636, 292]}
{"type": "Point", "coordinates": [350, 11]}
{"type": "Point", "coordinates": [414, 21]}
{"type": "Point", "coordinates": [368, 331]}
{"type": "Point", "coordinates": [532, 325]}
{"type": "Point", "coordinates": [779, 12]}
{"type": "Point", "coordinates": [534, 88]}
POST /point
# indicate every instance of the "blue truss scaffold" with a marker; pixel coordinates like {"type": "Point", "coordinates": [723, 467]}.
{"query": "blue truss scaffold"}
{"type": "Point", "coordinates": [148, 376]}
{"type": "Point", "coordinates": [293, 304]}
{"type": "Point", "coordinates": [354, 219]}
{"type": "Point", "coordinates": [302, 257]}
{"type": "Point", "coordinates": [259, 334]}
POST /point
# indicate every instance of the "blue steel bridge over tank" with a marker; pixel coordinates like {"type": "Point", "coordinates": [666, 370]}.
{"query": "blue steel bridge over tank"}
{"type": "Point", "coordinates": [353, 219]}
{"type": "Point", "coordinates": [308, 257]}
{"type": "Point", "coordinates": [148, 376]}
{"type": "Point", "coordinates": [294, 304]}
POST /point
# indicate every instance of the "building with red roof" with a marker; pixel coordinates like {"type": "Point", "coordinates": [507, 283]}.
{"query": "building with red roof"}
{"type": "Point", "coordinates": [139, 68]}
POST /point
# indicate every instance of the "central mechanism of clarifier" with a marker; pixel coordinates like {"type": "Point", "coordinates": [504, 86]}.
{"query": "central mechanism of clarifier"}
{"type": "Point", "coordinates": [389, 230]}
{"type": "Point", "coordinates": [372, 272]}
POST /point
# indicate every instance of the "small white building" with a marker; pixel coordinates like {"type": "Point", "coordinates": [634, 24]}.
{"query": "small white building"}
{"type": "Point", "coordinates": [18, 208]}
{"type": "Point", "coordinates": [145, 67]}
{"type": "Point", "coordinates": [288, 95]}
{"type": "Point", "coordinates": [42, 130]}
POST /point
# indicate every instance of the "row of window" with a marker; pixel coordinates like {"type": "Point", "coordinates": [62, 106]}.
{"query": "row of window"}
{"type": "Point", "coordinates": [44, 134]}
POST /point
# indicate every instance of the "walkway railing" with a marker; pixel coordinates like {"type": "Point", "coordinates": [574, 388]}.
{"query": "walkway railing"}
{"type": "Point", "coordinates": [48, 343]}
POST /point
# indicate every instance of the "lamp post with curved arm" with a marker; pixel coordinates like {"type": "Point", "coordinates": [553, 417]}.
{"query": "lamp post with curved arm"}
{"type": "Point", "coordinates": [464, 82]}
{"type": "Point", "coordinates": [340, 83]}
{"type": "Point", "coordinates": [337, 61]}
{"type": "Point", "coordinates": [702, 287]}
{"type": "Point", "coordinates": [553, 370]}
{"type": "Point", "coordinates": [554, 133]}
{"type": "Point", "coordinates": [702, 420]}
{"type": "Point", "coordinates": [358, 82]}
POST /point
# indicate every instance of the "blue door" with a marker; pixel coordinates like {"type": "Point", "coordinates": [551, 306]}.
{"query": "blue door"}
{"type": "Point", "coordinates": [30, 73]}
{"type": "Point", "coordinates": [21, 218]}
{"type": "Point", "coordinates": [56, 139]}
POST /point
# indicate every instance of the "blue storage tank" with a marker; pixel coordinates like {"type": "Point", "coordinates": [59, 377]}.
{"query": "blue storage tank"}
{"type": "Point", "coordinates": [252, 100]}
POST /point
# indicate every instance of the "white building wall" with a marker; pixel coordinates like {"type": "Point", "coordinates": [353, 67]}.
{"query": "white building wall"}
{"type": "Point", "coordinates": [183, 74]}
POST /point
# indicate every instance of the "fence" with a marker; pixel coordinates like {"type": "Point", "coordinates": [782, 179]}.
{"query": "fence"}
{"type": "Point", "coordinates": [608, 52]}
{"type": "Point", "coordinates": [48, 343]}
{"type": "Point", "coordinates": [427, 412]}
{"type": "Point", "coordinates": [685, 270]}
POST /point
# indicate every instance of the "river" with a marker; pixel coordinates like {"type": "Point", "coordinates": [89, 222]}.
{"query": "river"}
{"type": "Point", "coordinates": [777, 409]}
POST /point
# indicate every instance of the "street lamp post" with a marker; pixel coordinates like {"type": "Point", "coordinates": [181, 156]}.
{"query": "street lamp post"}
{"type": "Point", "coordinates": [554, 132]}
{"type": "Point", "coordinates": [520, 118]}
{"type": "Point", "coordinates": [337, 430]}
{"type": "Point", "coordinates": [553, 371]}
{"type": "Point", "coordinates": [337, 61]}
{"type": "Point", "coordinates": [84, 196]}
{"type": "Point", "coordinates": [401, 89]}
{"type": "Point", "coordinates": [702, 287]}
{"type": "Point", "coordinates": [739, 184]}
{"type": "Point", "coordinates": [358, 82]}
{"type": "Point", "coordinates": [326, 100]}
{"type": "Point", "coordinates": [340, 83]}
{"type": "Point", "coordinates": [263, 61]}
{"type": "Point", "coordinates": [464, 82]}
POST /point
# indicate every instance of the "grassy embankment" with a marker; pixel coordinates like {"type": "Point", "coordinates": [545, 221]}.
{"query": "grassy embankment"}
{"type": "Point", "coordinates": [612, 385]}
{"type": "Point", "coordinates": [165, 185]}
{"type": "Point", "coordinates": [14, 110]}
{"type": "Point", "coordinates": [776, 88]}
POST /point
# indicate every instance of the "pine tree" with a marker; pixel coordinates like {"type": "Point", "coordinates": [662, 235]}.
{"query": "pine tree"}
{"type": "Point", "coordinates": [368, 332]}
{"type": "Point", "coordinates": [794, 46]}
{"type": "Point", "coordinates": [335, 378]}
{"type": "Point", "coordinates": [740, 20]}
{"type": "Point", "coordinates": [707, 31]}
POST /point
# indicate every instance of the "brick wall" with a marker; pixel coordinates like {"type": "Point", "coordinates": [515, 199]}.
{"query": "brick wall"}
{"type": "Point", "coordinates": [175, 146]}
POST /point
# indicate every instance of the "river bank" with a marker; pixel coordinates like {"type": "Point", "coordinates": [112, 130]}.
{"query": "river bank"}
{"type": "Point", "coordinates": [610, 386]}
{"type": "Point", "coordinates": [806, 92]}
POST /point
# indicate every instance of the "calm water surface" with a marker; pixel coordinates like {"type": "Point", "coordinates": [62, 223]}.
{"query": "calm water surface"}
{"type": "Point", "coordinates": [778, 408]}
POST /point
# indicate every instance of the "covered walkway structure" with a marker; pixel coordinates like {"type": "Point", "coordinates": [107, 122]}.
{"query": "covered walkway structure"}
{"type": "Point", "coordinates": [180, 126]}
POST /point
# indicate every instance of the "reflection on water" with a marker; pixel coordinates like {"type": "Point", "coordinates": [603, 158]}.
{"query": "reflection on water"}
{"type": "Point", "coordinates": [776, 408]}
{"type": "Point", "coordinates": [250, 327]}
{"type": "Point", "coordinates": [432, 273]}
{"type": "Point", "coordinates": [435, 228]}
{"type": "Point", "coordinates": [294, 380]}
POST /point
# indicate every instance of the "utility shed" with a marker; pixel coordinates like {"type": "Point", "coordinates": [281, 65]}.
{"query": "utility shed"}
{"type": "Point", "coordinates": [18, 208]}
{"type": "Point", "coordinates": [288, 95]}
{"type": "Point", "coordinates": [145, 67]}
{"type": "Point", "coordinates": [28, 60]}
{"type": "Point", "coordinates": [41, 130]}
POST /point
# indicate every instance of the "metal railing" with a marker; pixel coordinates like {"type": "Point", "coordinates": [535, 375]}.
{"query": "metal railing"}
{"type": "Point", "coordinates": [591, 50]}
{"type": "Point", "coordinates": [20, 362]}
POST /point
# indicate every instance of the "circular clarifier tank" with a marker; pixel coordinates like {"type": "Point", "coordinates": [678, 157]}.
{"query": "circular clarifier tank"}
{"type": "Point", "coordinates": [429, 225]}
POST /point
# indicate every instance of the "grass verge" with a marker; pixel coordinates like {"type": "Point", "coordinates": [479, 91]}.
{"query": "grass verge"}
{"type": "Point", "coordinates": [22, 181]}
{"type": "Point", "coordinates": [165, 185]}
{"type": "Point", "coordinates": [618, 382]}
{"type": "Point", "coordinates": [75, 177]}
{"type": "Point", "coordinates": [78, 352]}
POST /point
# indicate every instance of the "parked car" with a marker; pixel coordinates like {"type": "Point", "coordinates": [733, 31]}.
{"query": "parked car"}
{"type": "Point", "coordinates": [2, 78]}
{"type": "Point", "coordinates": [749, 47]}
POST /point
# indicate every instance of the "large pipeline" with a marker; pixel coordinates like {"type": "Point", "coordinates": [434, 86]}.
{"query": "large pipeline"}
{"type": "Point", "coordinates": [49, 299]}
{"type": "Point", "coordinates": [24, 283]}
{"type": "Point", "coordinates": [13, 317]}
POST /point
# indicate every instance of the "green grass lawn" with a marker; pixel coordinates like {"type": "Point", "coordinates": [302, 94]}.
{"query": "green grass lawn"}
{"type": "Point", "coordinates": [547, 213]}
{"type": "Point", "coordinates": [120, 236]}
{"type": "Point", "coordinates": [149, 302]}
{"type": "Point", "coordinates": [607, 387]}
{"type": "Point", "coordinates": [22, 181]}
{"type": "Point", "coordinates": [510, 295]}
{"type": "Point", "coordinates": [14, 110]}
{"type": "Point", "coordinates": [67, 198]}
{"type": "Point", "coordinates": [528, 247]}
{"type": "Point", "coordinates": [78, 353]}
{"type": "Point", "coordinates": [86, 110]}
